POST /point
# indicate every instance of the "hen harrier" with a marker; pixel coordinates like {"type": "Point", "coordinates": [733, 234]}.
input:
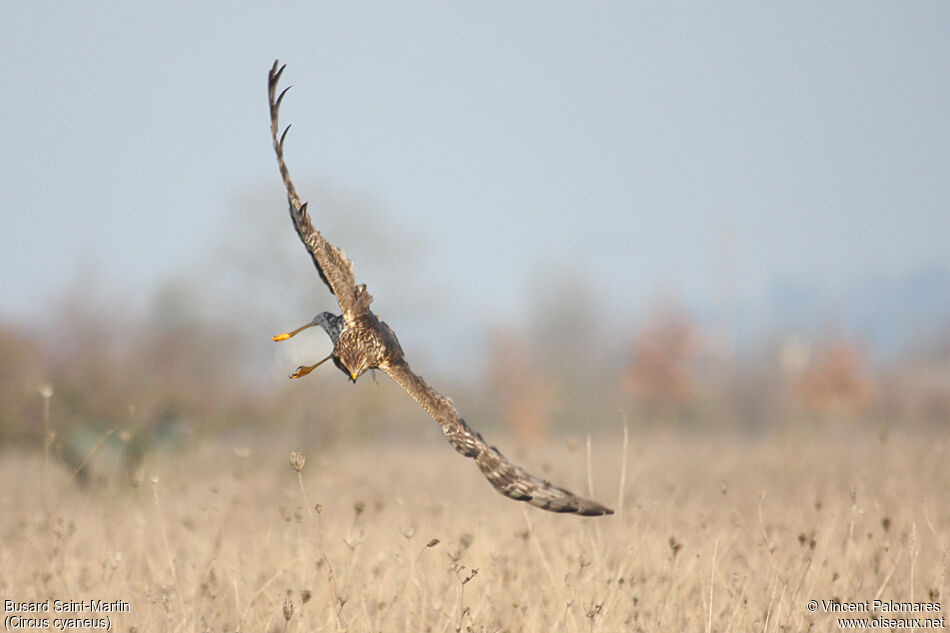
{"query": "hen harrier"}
{"type": "Point", "coordinates": [361, 341]}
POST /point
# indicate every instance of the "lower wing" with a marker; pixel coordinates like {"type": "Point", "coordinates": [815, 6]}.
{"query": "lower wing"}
{"type": "Point", "coordinates": [508, 479]}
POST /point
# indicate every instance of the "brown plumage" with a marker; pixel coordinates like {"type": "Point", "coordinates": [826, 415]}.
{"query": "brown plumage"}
{"type": "Point", "coordinates": [361, 341]}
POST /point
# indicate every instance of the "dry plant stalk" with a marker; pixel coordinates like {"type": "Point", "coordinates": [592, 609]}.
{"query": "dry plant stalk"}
{"type": "Point", "coordinates": [698, 543]}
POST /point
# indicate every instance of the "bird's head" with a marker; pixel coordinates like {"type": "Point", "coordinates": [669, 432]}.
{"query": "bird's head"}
{"type": "Point", "coordinates": [353, 363]}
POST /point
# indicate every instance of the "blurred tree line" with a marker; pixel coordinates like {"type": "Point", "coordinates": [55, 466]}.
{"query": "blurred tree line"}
{"type": "Point", "coordinates": [667, 371]}
{"type": "Point", "coordinates": [182, 368]}
{"type": "Point", "coordinates": [195, 359]}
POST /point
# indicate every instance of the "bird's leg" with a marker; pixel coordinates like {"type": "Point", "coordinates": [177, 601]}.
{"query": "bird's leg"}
{"type": "Point", "coordinates": [303, 370]}
{"type": "Point", "coordinates": [287, 335]}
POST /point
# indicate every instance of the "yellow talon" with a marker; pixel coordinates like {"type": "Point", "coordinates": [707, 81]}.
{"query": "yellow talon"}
{"type": "Point", "coordinates": [303, 370]}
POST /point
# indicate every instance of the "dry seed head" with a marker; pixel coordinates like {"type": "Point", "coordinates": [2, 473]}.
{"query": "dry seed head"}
{"type": "Point", "coordinates": [297, 461]}
{"type": "Point", "coordinates": [469, 576]}
{"type": "Point", "coordinates": [288, 609]}
{"type": "Point", "coordinates": [46, 391]}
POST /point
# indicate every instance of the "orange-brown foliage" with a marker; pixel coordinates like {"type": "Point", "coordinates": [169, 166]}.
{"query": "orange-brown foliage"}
{"type": "Point", "coordinates": [838, 380]}
{"type": "Point", "coordinates": [519, 387]}
{"type": "Point", "coordinates": [659, 374]}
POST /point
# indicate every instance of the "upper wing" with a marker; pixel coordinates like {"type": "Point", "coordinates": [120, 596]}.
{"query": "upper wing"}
{"type": "Point", "coordinates": [508, 479]}
{"type": "Point", "coordinates": [335, 269]}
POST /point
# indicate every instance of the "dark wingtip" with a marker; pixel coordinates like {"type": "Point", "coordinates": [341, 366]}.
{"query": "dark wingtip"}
{"type": "Point", "coordinates": [275, 72]}
{"type": "Point", "coordinates": [592, 509]}
{"type": "Point", "coordinates": [283, 137]}
{"type": "Point", "coordinates": [281, 96]}
{"type": "Point", "coordinates": [576, 505]}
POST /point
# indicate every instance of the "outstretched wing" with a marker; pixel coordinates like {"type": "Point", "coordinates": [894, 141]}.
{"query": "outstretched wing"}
{"type": "Point", "coordinates": [508, 479]}
{"type": "Point", "coordinates": [335, 269]}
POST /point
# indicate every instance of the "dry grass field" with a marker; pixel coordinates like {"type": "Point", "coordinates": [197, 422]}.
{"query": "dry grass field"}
{"type": "Point", "coordinates": [709, 535]}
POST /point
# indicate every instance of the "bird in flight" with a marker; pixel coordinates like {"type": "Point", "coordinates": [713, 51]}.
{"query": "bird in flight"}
{"type": "Point", "coordinates": [361, 342]}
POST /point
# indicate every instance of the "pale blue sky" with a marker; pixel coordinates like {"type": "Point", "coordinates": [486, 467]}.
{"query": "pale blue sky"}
{"type": "Point", "coordinates": [507, 140]}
